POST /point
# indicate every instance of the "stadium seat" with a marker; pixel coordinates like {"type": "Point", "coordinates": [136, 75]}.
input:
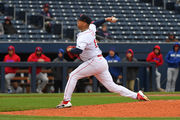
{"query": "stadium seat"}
{"type": "Point", "coordinates": [137, 19]}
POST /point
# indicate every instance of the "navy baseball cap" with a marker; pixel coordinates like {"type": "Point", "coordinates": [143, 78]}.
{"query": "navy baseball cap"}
{"type": "Point", "coordinates": [85, 18]}
{"type": "Point", "coordinates": [61, 51]}
{"type": "Point", "coordinates": [113, 49]}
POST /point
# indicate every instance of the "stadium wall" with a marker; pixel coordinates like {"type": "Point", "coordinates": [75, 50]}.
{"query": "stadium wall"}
{"type": "Point", "coordinates": [141, 51]}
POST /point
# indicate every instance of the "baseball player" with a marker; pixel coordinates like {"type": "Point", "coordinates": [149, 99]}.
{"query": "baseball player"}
{"type": "Point", "coordinates": [156, 56]}
{"type": "Point", "coordinates": [94, 63]}
{"type": "Point", "coordinates": [173, 60]}
{"type": "Point", "coordinates": [38, 56]}
{"type": "Point", "coordinates": [10, 71]}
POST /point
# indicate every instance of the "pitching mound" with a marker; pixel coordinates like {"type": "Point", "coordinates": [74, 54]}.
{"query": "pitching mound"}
{"type": "Point", "coordinates": [158, 108]}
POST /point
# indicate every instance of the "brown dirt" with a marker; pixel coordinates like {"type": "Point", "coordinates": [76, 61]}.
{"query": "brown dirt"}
{"type": "Point", "coordinates": [165, 95]}
{"type": "Point", "coordinates": [157, 108]}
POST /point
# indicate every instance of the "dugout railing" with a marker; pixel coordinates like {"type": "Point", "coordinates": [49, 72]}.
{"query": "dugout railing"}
{"type": "Point", "coordinates": [65, 65]}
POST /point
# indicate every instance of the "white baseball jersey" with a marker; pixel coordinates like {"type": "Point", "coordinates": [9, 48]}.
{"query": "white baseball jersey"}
{"type": "Point", "coordinates": [86, 41]}
{"type": "Point", "coordinates": [93, 65]}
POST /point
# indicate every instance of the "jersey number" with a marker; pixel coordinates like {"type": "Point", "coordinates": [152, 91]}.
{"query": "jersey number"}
{"type": "Point", "coordinates": [95, 43]}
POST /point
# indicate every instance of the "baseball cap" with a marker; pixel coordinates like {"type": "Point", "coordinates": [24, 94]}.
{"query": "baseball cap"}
{"type": "Point", "coordinates": [10, 48]}
{"type": "Point", "coordinates": [61, 51]}
{"type": "Point", "coordinates": [112, 49]}
{"type": "Point", "coordinates": [46, 5]}
{"type": "Point", "coordinates": [171, 33]}
{"type": "Point", "coordinates": [85, 18]}
{"type": "Point", "coordinates": [7, 19]}
{"type": "Point", "coordinates": [38, 49]}
{"type": "Point", "coordinates": [176, 45]}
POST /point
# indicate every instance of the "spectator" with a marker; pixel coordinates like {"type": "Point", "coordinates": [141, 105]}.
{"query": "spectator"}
{"type": "Point", "coordinates": [48, 17]}
{"type": "Point", "coordinates": [16, 88]}
{"type": "Point", "coordinates": [131, 71]}
{"type": "Point", "coordinates": [1, 29]}
{"type": "Point", "coordinates": [46, 11]}
{"type": "Point", "coordinates": [156, 56]}
{"type": "Point", "coordinates": [173, 59]}
{"type": "Point", "coordinates": [177, 1]}
{"type": "Point", "coordinates": [103, 33]}
{"type": "Point", "coordinates": [115, 71]}
{"type": "Point", "coordinates": [88, 85]}
{"type": "Point", "coordinates": [8, 27]}
{"type": "Point", "coordinates": [10, 72]}
{"type": "Point", "coordinates": [57, 72]}
{"type": "Point", "coordinates": [171, 38]}
{"type": "Point", "coordinates": [38, 56]}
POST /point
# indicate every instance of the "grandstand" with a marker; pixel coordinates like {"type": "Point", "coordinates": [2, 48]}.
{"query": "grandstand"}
{"type": "Point", "coordinates": [141, 25]}
{"type": "Point", "coordinates": [138, 21]}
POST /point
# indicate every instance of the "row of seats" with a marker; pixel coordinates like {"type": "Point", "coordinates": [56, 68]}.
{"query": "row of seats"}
{"type": "Point", "coordinates": [136, 19]}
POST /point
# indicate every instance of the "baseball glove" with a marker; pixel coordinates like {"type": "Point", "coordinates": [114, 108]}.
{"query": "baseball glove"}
{"type": "Point", "coordinates": [71, 55]}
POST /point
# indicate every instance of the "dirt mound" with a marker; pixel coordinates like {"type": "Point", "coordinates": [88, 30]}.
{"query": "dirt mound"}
{"type": "Point", "coordinates": [158, 108]}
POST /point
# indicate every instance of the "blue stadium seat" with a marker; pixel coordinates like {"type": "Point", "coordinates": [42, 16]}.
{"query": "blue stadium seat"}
{"type": "Point", "coordinates": [138, 20]}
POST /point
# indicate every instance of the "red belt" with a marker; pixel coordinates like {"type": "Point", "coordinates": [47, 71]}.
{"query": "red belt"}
{"type": "Point", "coordinates": [99, 55]}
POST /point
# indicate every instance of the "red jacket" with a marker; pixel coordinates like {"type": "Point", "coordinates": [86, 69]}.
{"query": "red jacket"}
{"type": "Point", "coordinates": [13, 58]}
{"type": "Point", "coordinates": [130, 51]}
{"type": "Point", "coordinates": [34, 58]}
{"type": "Point", "coordinates": [152, 57]}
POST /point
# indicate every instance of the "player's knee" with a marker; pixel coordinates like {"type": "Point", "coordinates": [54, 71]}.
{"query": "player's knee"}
{"type": "Point", "coordinates": [73, 76]}
{"type": "Point", "coordinates": [112, 87]}
{"type": "Point", "coordinates": [158, 74]}
{"type": "Point", "coordinates": [113, 90]}
{"type": "Point", "coordinates": [7, 77]}
{"type": "Point", "coordinates": [70, 75]}
{"type": "Point", "coordinates": [45, 79]}
{"type": "Point", "coordinates": [168, 80]}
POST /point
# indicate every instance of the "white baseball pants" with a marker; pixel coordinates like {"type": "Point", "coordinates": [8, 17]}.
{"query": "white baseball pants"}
{"type": "Point", "coordinates": [8, 78]}
{"type": "Point", "coordinates": [158, 79]}
{"type": "Point", "coordinates": [43, 77]}
{"type": "Point", "coordinates": [172, 74]}
{"type": "Point", "coordinates": [98, 67]}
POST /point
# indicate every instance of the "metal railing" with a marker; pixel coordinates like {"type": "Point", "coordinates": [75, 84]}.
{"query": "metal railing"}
{"type": "Point", "coordinates": [66, 65]}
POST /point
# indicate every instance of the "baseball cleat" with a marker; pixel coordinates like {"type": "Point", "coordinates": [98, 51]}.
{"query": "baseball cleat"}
{"type": "Point", "coordinates": [64, 104]}
{"type": "Point", "coordinates": [141, 96]}
{"type": "Point", "coordinates": [38, 91]}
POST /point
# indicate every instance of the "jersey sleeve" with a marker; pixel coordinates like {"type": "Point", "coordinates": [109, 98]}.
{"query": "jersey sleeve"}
{"type": "Point", "coordinates": [92, 27]}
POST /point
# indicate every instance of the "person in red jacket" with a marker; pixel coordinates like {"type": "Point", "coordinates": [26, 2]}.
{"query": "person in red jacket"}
{"type": "Point", "coordinates": [38, 56]}
{"type": "Point", "coordinates": [156, 56]}
{"type": "Point", "coordinates": [10, 72]}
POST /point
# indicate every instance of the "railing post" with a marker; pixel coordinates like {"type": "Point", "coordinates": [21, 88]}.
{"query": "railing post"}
{"type": "Point", "coordinates": [2, 79]}
{"type": "Point", "coordinates": [44, 23]}
{"type": "Point", "coordinates": [95, 84]}
{"type": "Point", "coordinates": [26, 22]}
{"type": "Point", "coordinates": [33, 78]}
{"type": "Point", "coordinates": [14, 14]}
{"type": "Point", "coordinates": [164, 4]}
{"type": "Point", "coordinates": [64, 81]}
{"type": "Point", "coordinates": [124, 75]}
{"type": "Point", "coordinates": [153, 78]}
{"type": "Point", "coordinates": [62, 31]}
{"type": "Point", "coordinates": [152, 2]}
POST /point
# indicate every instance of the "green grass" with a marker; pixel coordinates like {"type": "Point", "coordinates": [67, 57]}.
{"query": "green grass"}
{"type": "Point", "coordinates": [14, 102]}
